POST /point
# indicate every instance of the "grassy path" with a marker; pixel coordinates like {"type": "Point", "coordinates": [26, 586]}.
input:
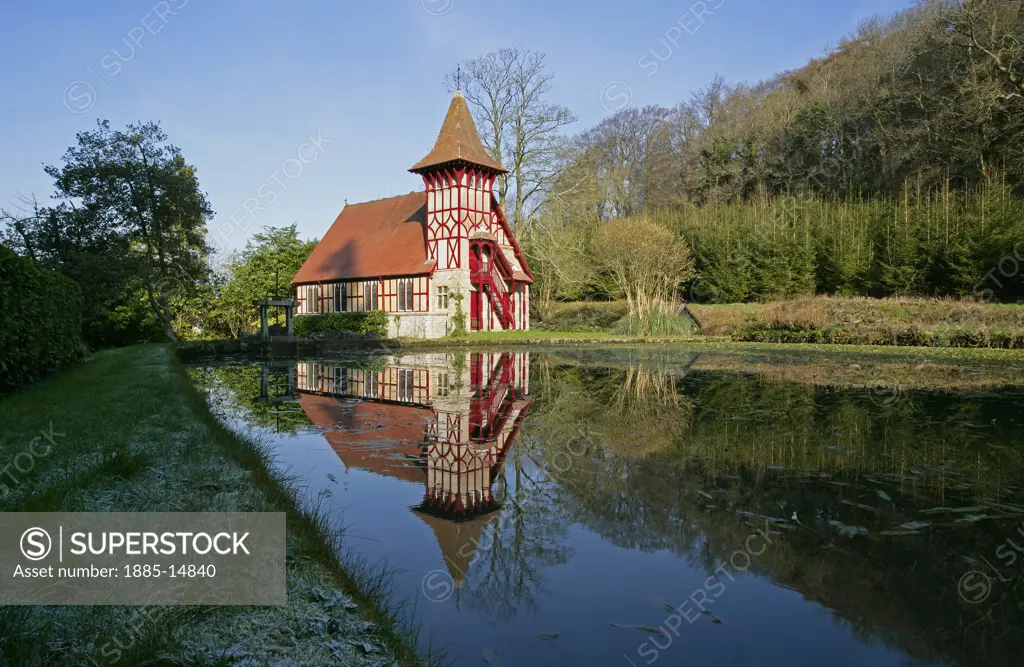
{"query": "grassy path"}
{"type": "Point", "coordinates": [126, 431]}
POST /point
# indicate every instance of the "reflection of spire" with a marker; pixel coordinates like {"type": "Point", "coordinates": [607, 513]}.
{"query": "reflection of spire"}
{"type": "Point", "coordinates": [410, 425]}
{"type": "Point", "coordinates": [458, 503]}
{"type": "Point", "coordinates": [459, 541]}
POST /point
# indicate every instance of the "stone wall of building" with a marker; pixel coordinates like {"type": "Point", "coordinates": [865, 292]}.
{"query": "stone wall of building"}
{"type": "Point", "coordinates": [418, 325]}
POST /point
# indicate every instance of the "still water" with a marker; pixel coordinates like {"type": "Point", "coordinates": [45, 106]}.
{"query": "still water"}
{"type": "Point", "coordinates": [630, 507]}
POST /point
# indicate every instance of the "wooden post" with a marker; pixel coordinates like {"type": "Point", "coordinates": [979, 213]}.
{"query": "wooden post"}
{"type": "Point", "coordinates": [264, 330]}
{"type": "Point", "coordinates": [289, 319]}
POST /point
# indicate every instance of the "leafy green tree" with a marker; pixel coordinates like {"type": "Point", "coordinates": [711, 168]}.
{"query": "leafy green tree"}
{"type": "Point", "coordinates": [147, 199]}
{"type": "Point", "coordinates": [264, 268]}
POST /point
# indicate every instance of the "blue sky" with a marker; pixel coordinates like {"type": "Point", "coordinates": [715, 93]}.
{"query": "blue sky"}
{"type": "Point", "coordinates": [242, 87]}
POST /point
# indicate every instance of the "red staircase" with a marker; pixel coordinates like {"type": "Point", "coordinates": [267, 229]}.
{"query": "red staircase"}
{"type": "Point", "coordinates": [492, 278]}
{"type": "Point", "coordinates": [489, 407]}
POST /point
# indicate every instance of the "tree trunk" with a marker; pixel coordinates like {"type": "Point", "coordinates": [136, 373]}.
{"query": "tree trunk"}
{"type": "Point", "coordinates": [165, 316]}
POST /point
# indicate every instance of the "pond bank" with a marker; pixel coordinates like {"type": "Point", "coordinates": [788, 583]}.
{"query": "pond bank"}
{"type": "Point", "coordinates": [130, 433]}
{"type": "Point", "coordinates": [697, 343]}
{"type": "Point", "coordinates": [892, 321]}
{"type": "Point", "coordinates": [807, 363]}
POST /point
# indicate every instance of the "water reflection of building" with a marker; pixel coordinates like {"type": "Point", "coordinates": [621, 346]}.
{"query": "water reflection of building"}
{"type": "Point", "coordinates": [445, 421]}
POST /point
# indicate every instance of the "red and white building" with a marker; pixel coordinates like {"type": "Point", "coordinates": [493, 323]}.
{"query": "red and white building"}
{"type": "Point", "coordinates": [413, 255]}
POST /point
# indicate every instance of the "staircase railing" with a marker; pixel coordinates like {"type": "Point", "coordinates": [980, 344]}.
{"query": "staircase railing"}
{"type": "Point", "coordinates": [501, 299]}
{"type": "Point", "coordinates": [490, 407]}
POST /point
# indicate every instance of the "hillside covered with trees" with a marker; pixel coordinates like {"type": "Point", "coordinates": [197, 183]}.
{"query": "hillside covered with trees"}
{"type": "Point", "coordinates": [894, 165]}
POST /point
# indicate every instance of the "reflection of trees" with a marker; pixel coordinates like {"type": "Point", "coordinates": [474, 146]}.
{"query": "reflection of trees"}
{"type": "Point", "coordinates": [527, 538]}
{"type": "Point", "coordinates": [235, 392]}
{"type": "Point", "coordinates": [637, 409]}
{"type": "Point", "coordinates": [654, 458]}
{"type": "Point", "coordinates": [638, 405]}
{"type": "Point", "coordinates": [749, 449]}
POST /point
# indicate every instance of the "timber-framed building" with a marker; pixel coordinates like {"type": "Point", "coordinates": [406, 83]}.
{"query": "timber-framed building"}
{"type": "Point", "coordinates": [420, 256]}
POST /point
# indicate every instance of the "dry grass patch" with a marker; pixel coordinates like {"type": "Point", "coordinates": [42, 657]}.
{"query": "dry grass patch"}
{"type": "Point", "coordinates": [856, 320]}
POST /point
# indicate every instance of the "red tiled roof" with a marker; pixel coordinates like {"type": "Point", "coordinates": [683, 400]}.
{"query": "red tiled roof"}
{"type": "Point", "coordinates": [458, 140]}
{"type": "Point", "coordinates": [388, 441]}
{"type": "Point", "coordinates": [386, 237]}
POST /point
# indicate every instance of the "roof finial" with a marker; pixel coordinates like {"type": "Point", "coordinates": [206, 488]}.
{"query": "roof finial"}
{"type": "Point", "coordinates": [458, 78]}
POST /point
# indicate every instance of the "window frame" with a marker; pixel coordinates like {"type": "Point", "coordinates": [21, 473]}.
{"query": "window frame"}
{"type": "Point", "coordinates": [371, 295]}
{"type": "Point", "coordinates": [311, 302]}
{"type": "Point", "coordinates": [339, 298]}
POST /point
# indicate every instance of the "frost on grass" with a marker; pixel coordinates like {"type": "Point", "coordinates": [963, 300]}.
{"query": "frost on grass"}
{"type": "Point", "coordinates": [319, 626]}
{"type": "Point", "coordinates": [162, 456]}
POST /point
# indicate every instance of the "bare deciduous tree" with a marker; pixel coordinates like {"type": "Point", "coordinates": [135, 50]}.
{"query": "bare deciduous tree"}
{"type": "Point", "coordinates": [507, 90]}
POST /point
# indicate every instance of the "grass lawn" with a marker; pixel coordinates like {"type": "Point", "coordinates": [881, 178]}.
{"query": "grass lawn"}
{"type": "Point", "coordinates": [130, 433]}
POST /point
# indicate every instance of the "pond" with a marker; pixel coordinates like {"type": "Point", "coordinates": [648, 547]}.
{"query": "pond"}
{"type": "Point", "coordinates": [641, 506]}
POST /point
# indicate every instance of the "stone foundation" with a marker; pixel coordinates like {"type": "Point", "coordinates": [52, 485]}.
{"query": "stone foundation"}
{"type": "Point", "coordinates": [419, 325]}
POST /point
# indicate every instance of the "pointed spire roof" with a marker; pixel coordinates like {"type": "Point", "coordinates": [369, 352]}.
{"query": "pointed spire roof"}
{"type": "Point", "coordinates": [458, 140]}
{"type": "Point", "coordinates": [458, 541]}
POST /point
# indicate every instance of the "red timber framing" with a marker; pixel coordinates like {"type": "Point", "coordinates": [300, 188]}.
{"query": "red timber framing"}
{"type": "Point", "coordinates": [491, 274]}
{"type": "Point", "coordinates": [459, 201]}
{"type": "Point", "coordinates": [396, 384]}
{"type": "Point", "coordinates": [409, 294]}
{"type": "Point", "coordinates": [464, 221]}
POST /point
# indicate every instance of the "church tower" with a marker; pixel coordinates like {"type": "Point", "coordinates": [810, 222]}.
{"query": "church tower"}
{"type": "Point", "coordinates": [459, 176]}
{"type": "Point", "coordinates": [467, 235]}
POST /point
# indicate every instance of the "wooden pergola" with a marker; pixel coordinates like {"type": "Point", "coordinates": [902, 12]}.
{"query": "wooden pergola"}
{"type": "Point", "coordinates": [265, 305]}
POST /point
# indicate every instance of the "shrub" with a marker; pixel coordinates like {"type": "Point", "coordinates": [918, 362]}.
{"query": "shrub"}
{"type": "Point", "coordinates": [645, 261]}
{"type": "Point", "coordinates": [364, 322]}
{"type": "Point", "coordinates": [458, 319]}
{"type": "Point", "coordinates": [584, 316]}
{"type": "Point", "coordinates": [657, 322]}
{"type": "Point", "coordinates": [40, 320]}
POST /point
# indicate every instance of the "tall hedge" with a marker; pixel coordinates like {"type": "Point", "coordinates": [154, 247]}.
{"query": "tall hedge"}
{"type": "Point", "coordinates": [927, 243]}
{"type": "Point", "coordinates": [40, 320]}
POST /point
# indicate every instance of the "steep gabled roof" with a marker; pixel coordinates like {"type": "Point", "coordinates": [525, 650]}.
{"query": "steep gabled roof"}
{"type": "Point", "coordinates": [458, 140]}
{"type": "Point", "coordinates": [381, 438]}
{"type": "Point", "coordinates": [386, 237]}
